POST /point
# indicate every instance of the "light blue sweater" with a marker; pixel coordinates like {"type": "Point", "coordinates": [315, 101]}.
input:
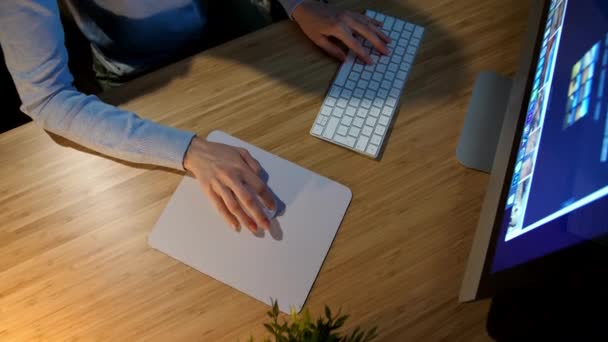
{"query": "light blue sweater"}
{"type": "Point", "coordinates": [32, 40]}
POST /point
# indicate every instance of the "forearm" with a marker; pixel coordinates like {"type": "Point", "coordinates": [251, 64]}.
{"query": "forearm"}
{"type": "Point", "coordinates": [111, 131]}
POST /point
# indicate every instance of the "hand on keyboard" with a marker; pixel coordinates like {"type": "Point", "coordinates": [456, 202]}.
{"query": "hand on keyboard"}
{"type": "Point", "coordinates": [320, 22]}
{"type": "Point", "coordinates": [226, 175]}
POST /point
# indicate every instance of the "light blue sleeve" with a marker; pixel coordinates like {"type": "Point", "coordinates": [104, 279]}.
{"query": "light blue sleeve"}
{"type": "Point", "coordinates": [32, 40]}
{"type": "Point", "coordinates": [290, 5]}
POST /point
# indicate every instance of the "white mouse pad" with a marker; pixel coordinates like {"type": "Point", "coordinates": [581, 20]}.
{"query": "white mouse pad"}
{"type": "Point", "coordinates": [281, 263]}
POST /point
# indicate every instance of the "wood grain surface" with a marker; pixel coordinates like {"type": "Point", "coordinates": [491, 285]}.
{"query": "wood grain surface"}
{"type": "Point", "coordinates": [74, 262]}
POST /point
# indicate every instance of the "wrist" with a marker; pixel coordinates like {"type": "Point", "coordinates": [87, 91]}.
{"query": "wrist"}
{"type": "Point", "coordinates": [196, 144]}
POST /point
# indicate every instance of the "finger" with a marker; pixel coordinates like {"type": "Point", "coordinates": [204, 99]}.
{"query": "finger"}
{"type": "Point", "coordinates": [374, 21]}
{"type": "Point", "coordinates": [346, 36]}
{"type": "Point", "coordinates": [249, 202]}
{"type": "Point", "coordinates": [368, 32]}
{"type": "Point", "coordinates": [261, 189]}
{"type": "Point", "coordinates": [374, 25]}
{"type": "Point", "coordinates": [332, 49]}
{"type": "Point", "coordinates": [234, 207]}
{"type": "Point", "coordinates": [253, 164]}
{"type": "Point", "coordinates": [219, 205]}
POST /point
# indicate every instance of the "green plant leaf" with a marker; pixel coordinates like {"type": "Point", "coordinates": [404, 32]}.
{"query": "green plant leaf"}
{"type": "Point", "coordinates": [269, 328]}
{"type": "Point", "coordinates": [327, 312]}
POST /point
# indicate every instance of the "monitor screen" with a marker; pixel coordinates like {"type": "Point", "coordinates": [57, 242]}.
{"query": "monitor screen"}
{"type": "Point", "coordinates": [557, 194]}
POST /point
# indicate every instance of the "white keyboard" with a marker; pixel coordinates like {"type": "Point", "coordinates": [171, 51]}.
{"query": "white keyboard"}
{"type": "Point", "coordinates": [362, 101]}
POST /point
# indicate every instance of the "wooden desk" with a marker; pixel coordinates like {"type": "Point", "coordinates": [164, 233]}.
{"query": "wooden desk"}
{"type": "Point", "coordinates": [74, 262]}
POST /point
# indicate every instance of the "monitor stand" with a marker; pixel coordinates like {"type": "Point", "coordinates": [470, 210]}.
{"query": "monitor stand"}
{"type": "Point", "coordinates": [483, 123]}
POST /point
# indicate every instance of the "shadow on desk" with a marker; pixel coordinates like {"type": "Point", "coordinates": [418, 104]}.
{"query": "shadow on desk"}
{"type": "Point", "coordinates": [438, 71]}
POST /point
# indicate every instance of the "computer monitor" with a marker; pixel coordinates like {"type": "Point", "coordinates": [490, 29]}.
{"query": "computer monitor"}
{"type": "Point", "coordinates": [547, 201]}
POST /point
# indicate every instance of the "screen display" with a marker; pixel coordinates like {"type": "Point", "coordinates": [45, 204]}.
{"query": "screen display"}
{"type": "Point", "coordinates": [557, 195]}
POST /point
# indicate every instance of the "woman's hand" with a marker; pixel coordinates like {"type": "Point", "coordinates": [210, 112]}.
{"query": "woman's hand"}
{"type": "Point", "coordinates": [230, 177]}
{"type": "Point", "coordinates": [320, 22]}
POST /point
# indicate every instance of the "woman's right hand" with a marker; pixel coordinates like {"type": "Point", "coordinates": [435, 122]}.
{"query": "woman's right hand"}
{"type": "Point", "coordinates": [230, 177]}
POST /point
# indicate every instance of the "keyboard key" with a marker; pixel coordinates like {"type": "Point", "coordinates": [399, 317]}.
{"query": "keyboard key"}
{"type": "Point", "coordinates": [322, 120]}
{"type": "Point", "coordinates": [351, 111]}
{"type": "Point", "coordinates": [387, 111]}
{"type": "Point", "coordinates": [330, 129]}
{"type": "Point", "coordinates": [380, 130]}
{"type": "Point", "coordinates": [394, 92]}
{"type": "Point", "coordinates": [350, 85]}
{"type": "Point", "coordinates": [385, 84]}
{"type": "Point", "coordinates": [409, 27]}
{"type": "Point", "coordinates": [362, 113]}
{"type": "Point", "coordinates": [346, 94]}
{"type": "Point", "coordinates": [389, 76]}
{"type": "Point", "coordinates": [382, 94]}
{"type": "Point", "coordinates": [371, 121]}
{"type": "Point", "coordinates": [380, 17]}
{"type": "Point", "coordinates": [384, 59]}
{"type": "Point", "coordinates": [401, 75]}
{"type": "Point", "coordinates": [408, 58]}
{"type": "Point", "coordinates": [354, 102]}
{"type": "Point", "coordinates": [402, 42]}
{"type": "Point", "coordinates": [377, 77]}
{"type": "Point", "coordinates": [375, 57]}
{"type": "Point", "coordinates": [342, 130]}
{"type": "Point", "coordinates": [330, 101]}
{"type": "Point", "coordinates": [376, 139]}
{"type": "Point", "coordinates": [358, 122]}
{"type": "Point", "coordinates": [388, 23]}
{"type": "Point", "coordinates": [373, 85]}
{"type": "Point", "coordinates": [418, 32]}
{"type": "Point", "coordinates": [339, 139]}
{"type": "Point", "coordinates": [399, 51]}
{"type": "Point", "coordinates": [362, 143]}
{"type": "Point", "coordinates": [374, 111]}
{"type": "Point", "coordinates": [366, 103]}
{"type": "Point", "coordinates": [335, 91]}
{"type": "Point", "coordinates": [338, 112]}
{"type": "Point", "coordinates": [326, 110]}
{"type": "Point", "coordinates": [381, 68]}
{"type": "Point", "coordinates": [354, 131]}
{"type": "Point", "coordinates": [394, 35]}
{"type": "Point", "coordinates": [378, 102]}
{"type": "Point", "coordinates": [367, 131]}
{"type": "Point", "coordinates": [354, 76]}
{"type": "Point", "coordinates": [372, 149]}
{"type": "Point", "coordinates": [350, 141]}
{"type": "Point", "coordinates": [393, 67]}
{"type": "Point", "coordinates": [344, 70]}
{"type": "Point", "coordinates": [415, 41]}
{"type": "Point", "coordinates": [341, 103]}
{"type": "Point", "coordinates": [398, 26]}
{"type": "Point", "coordinates": [370, 94]}
{"type": "Point", "coordinates": [384, 120]}
{"type": "Point", "coordinates": [347, 120]}
{"type": "Point", "coordinates": [362, 84]}
{"type": "Point", "coordinates": [404, 66]}
{"type": "Point", "coordinates": [317, 129]}
{"type": "Point", "coordinates": [359, 93]}
{"type": "Point", "coordinates": [391, 101]}
{"type": "Point", "coordinates": [406, 35]}
{"type": "Point", "coordinates": [358, 67]}
{"type": "Point", "coordinates": [366, 75]}
{"type": "Point", "coordinates": [411, 50]}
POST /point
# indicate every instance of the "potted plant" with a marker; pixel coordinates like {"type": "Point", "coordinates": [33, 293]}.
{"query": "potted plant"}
{"type": "Point", "coordinates": [303, 329]}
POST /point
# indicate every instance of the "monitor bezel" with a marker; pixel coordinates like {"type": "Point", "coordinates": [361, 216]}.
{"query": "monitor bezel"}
{"type": "Point", "coordinates": [553, 267]}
